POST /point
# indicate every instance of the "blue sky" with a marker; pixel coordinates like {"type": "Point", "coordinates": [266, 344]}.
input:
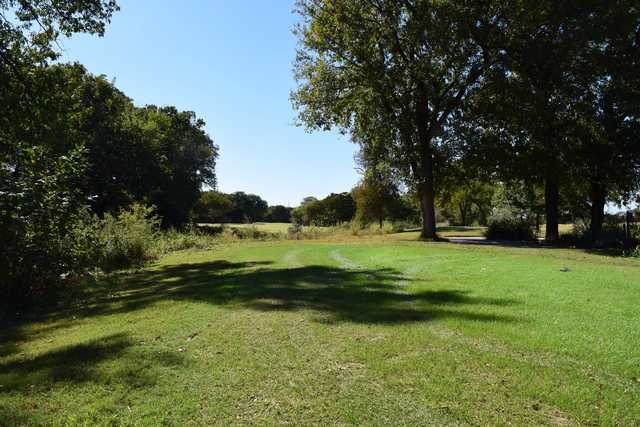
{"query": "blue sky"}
{"type": "Point", "coordinates": [230, 62]}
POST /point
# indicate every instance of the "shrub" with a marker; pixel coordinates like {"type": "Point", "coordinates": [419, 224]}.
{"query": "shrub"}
{"type": "Point", "coordinates": [190, 238]}
{"type": "Point", "coordinates": [250, 233]}
{"type": "Point", "coordinates": [294, 228]}
{"type": "Point", "coordinates": [510, 229]}
{"type": "Point", "coordinates": [39, 202]}
{"type": "Point", "coordinates": [299, 232]}
{"type": "Point", "coordinates": [128, 239]}
{"type": "Point", "coordinates": [611, 236]}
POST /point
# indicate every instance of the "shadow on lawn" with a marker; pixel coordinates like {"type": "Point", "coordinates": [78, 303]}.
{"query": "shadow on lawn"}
{"type": "Point", "coordinates": [333, 294]}
{"type": "Point", "coordinates": [364, 296]}
{"type": "Point", "coordinates": [79, 363]}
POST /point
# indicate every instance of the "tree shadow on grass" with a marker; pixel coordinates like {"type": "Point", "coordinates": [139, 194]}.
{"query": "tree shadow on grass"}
{"type": "Point", "coordinates": [80, 363]}
{"type": "Point", "coordinates": [335, 294]}
{"type": "Point", "coordinates": [93, 300]}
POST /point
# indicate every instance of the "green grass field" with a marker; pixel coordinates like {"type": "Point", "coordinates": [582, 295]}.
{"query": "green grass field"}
{"type": "Point", "coordinates": [443, 231]}
{"type": "Point", "coordinates": [374, 331]}
{"type": "Point", "coordinates": [267, 227]}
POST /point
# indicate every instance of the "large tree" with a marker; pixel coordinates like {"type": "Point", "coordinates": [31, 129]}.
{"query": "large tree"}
{"type": "Point", "coordinates": [395, 73]}
{"type": "Point", "coordinates": [41, 151]}
{"type": "Point", "coordinates": [212, 207]}
{"type": "Point", "coordinates": [551, 77]}
{"type": "Point", "coordinates": [606, 117]}
{"type": "Point", "coordinates": [247, 208]}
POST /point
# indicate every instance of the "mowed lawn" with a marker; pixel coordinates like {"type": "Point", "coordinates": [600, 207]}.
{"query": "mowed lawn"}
{"type": "Point", "coordinates": [267, 227]}
{"type": "Point", "coordinates": [375, 331]}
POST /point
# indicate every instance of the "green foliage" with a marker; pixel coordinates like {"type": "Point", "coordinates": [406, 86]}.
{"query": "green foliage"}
{"type": "Point", "coordinates": [466, 202]}
{"type": "Point", "coordinates": [212, 207]}
{"type": "Point", "coordinates": [179, 158]}
{"type": "Point", "coordinates": [334, 209]}
{"type": "Point", "coordinates": [38, 207]}
{"type": "Point", "coordinates": [371, 70]}
{"type": "Point", "coordinates": [70, 140]}
{"type": "Point", "coordinates": [375, 201]}
{"type": "Point", "coordinates": [516, 199]}
{"type": "Point", "coordinates": [29, 29]}
{"type": "Point", "coordinates": [125, 240]}
{"type": "Point", "coordinates": [386, 227]}
{"type": "Point", "coordinates": [251, 232]}
{"type": "Point", "coordinates": [510, 229]}
{"type": "Point", "coordinates": [43, 157]}
{"type": "Point", "coordinates": [239, 207]}
{"type": "Point", "coordinates": [247, 208]}
{"type": "Point", "coordinates": [190, 238]}
{"type": "Point", "coordinates": [278, 213]}
{"type": "Point", "coordinates": [612, 236]}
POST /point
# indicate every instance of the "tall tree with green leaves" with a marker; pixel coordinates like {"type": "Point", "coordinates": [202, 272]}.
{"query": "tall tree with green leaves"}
{"type": "Point", "coordinates": [395, 73]}
{"type": "Point", "coordinates": [42, 157]}
{"type": "Point", "coordinates": [606, 117]}
{"type": "Point", "coordinates": [551, 70]}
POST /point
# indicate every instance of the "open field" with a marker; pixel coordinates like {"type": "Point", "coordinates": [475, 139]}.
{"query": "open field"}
{"type": "Point", "coordinates": [443, 230]}
{"type": "Point", "coordinates": [267, 227]}
{"type": "Point", "coordinates": [372, 331]}
{"type": "Point", "coordinates": [283, 227]}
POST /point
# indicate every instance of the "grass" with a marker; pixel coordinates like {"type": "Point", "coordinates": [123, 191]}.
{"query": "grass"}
{"type": "Point", "coordinates": [283, 227]}
{"type": "Point", "coordinates": [267, 227]}
{"type": "Point", "coordinates": [461, 231]}
{"type": "Point", "coordinates": [367, 331]}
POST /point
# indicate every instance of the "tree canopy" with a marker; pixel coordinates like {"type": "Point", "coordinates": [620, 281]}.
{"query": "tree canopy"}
{"type": "Point", "coordinates": [543, 91]}
{"type": "Point", "coordinates": [395, 73]}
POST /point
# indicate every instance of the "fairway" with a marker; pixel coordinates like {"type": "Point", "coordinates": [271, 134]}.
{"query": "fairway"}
{"type": "Point", "coordinates": [367, 332]}
{"type": "Point", "coordinates": [268, 227]}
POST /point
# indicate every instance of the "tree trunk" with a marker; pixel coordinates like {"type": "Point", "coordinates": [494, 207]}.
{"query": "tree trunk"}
{"type": "Point", "coordinates": [428, 211]}
{"type": "Point", "coordinates": [463, 214]}
{"type": "Point", "coordinates": [551, 204]}
{"type": "Point", "coordinates": [482, 215]}
{"type": "Point", "coordinates": [426, 187]}
{"type": "Point", "coordinates": [598, 200]}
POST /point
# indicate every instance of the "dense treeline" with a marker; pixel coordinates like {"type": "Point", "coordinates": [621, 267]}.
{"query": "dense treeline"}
{"type": "Point", "coordinates": [72, 145]}
{"type": "Point", "coordinates": [541, 95]}
{"type": "Point", "coordinates": [239, 207]}
{"type": "Point", "coordinates": [334, 209]}
{"type": "Point", "coordinates": [363, 205]}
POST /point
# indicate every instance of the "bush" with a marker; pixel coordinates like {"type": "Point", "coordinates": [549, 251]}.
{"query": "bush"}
{"type": "Point", "coordinates": [191, 238]}
{"type": "Point", "coordinates": [128, 239]}
{"type": "Point", "coordinates": [510, 229]}
{"type": "Point", "coordinates": [39, 203]}
{"type": "Point", "coordinates": [299, 232]}
{"type": "Point", "coordinates": [372, 229]}
{"type": "Point", "coordinates": [612, 236]}
{"type": "Point", "coordinates": [354, 228]}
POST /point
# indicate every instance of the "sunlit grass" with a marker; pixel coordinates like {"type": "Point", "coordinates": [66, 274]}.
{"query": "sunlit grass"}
{"type": "Point", "coordinates": [363, 331]}
{"type": "Point", "coordinates": [268, 227]}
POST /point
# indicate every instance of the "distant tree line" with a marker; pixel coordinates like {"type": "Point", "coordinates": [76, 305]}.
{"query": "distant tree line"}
{"type": "Point", "coordinates": [364, 204]}
{"type": "Point", "coordinates": [239, 207]}
{"type": "Point", "coordinates": [334, 209]}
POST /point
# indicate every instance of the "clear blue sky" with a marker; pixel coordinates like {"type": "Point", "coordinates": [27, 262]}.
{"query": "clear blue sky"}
{"type": "Point", "coordinates": [230, 62]}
